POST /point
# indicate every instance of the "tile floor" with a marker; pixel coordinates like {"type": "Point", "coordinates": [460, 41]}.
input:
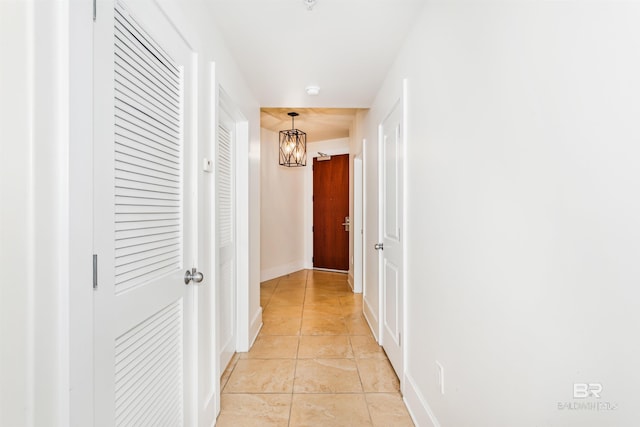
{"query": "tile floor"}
{"type": "Point", "coordinates": [315, 362]}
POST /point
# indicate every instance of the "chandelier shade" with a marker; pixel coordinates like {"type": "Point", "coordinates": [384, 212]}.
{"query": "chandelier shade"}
{"type": "Point", "coordinates": [293, 146]}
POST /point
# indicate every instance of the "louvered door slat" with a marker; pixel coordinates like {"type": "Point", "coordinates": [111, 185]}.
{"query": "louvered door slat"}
{"type": "Point", "coordinates": [134, 99]}
{"type": "Point", "coordinates": [145, 40]}
{"type": "Point", "coordinates": [152, 238]}
{"type": "Point", "coordinates": [142, 219]}
{"type": "Point", "coordinates": [148, 366]}
{"type": "Point", "coordinates": [125, 39]}
{"type": "Point", "coordinates": [131, 347]}
{"type": "Point", "coordinates": [139, 121]}
{"type": "Point", "coordinates": [126, 176]}
{"type": "Point", "coordinates": [129, 76]}
{"type": "Point", "coordinates": [225, 212]}
{"type": "Point", "coordinates": [147, 138]}
{"type": "Point", "coordinates": [140, 189]}
{"type": "Point", "coordinates": [129, 154]}
{"type": "Point", "coordinates": [148, 157]}
{"type": "Point", "coordinates": [142, 173]}
{"type": "Point", "coordinates": [145, 210]}
{"type": "Point", "coordinates": [127, 82]}
{"type": "Point", "coordinates": [139, 37]}
{"type": "Point", "coordinates": [155, 122]}
{"type": "Point", "coordinates": [147, 255]}
{"type": "Point", "coordinates": [143, 186]}
{"type": "Point", "coordinates": [146, 231]}
{"type": "Point", "coordinates": [128, 253]}
{"type": "Point", "coordinates": [126, 156]}
{"type": "Point", "coordinates": [132, 270]}
{"type": "Point", "coordinates": [143, 60]}
{"type": "Point", "coordinates": [148, 223]}
{"type": "Point", "coordinates": [129, 128]}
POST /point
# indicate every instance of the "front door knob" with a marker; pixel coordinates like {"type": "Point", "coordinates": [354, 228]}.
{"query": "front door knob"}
{"type": "Point", "coordinates": [378, 246]}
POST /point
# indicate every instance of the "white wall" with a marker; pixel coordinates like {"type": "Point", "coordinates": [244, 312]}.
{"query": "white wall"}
{"type": "Point", "coordinates": [281, 212]}
{"type": "Point", "coordinates": [45, 255]}
{"type": "Point", "coordinates": [522, 210]}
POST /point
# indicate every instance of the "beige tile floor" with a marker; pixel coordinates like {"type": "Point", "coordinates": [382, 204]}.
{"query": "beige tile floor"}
{"type": "Point", "coordinates": [315, 362]}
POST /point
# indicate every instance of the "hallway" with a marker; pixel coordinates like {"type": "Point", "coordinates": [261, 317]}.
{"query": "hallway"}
{"type": "Point", "coordinates": [315, 362]}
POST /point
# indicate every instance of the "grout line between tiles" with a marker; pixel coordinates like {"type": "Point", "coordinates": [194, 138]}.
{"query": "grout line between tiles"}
{"type": "Point", "coordinates": [347, 309]}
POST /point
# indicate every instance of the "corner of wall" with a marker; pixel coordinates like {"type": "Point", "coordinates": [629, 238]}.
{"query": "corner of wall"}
{"type": "Point", "coordinates": [281, 270]}
{"type": "Point", "coordinates": [255, 326]}
{"type": "Point", "coordinates": [419, 409]}
{"type": "Point", "coordinates": [371, 318]}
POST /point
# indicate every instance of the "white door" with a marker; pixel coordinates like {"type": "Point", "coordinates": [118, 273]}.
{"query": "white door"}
{"type": "Point", "coordinates": [144, 229]}
{"type": "Point", "coordinates": [226, 235]}
{"type": "Point", "coordinates": [391, 257]}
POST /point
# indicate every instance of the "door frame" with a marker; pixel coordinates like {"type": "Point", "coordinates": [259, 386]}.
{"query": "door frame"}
{"type": "Point", "coordinates": [245, 328]}
{"type": "Point", "coordinates": [357, 222]}
{"type": "Point", "coordinates": [308, 197]}
{"type": "Point", "coordinates": [400, 101]}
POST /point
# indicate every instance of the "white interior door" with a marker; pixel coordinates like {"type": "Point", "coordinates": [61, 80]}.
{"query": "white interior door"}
{"type": "Point", "coordinates": [144, 229]}
{"type": "Point", "coordinates": [226, 236]}
{"type": "Point", "coordinates": [391, 256]}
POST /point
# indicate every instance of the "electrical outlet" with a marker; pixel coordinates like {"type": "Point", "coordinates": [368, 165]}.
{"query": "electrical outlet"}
{"type": "Point", "coordinates": [440, 377]}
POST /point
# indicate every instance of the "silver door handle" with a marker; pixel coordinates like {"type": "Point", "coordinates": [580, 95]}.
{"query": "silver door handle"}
{"type": "Point", "coordinates": [378, 246]}
{"type": "Point", "coordinates": [194, 275]}
{"type": "Point", "coordinates": [346, 223]}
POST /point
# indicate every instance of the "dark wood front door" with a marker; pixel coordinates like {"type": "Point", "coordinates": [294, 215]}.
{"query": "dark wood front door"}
{"type": "Point", "coordinates": [330, 210]}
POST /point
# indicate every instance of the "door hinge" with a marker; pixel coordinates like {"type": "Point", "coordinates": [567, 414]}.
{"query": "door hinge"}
{"type": "Point", "coordinates": [313, 229]}
{"type": "Point", "coordinates": [312, 260]}
{"type": "Point", "coordinates": [399, 339]}
{"type": "Point", "coordinates": [94, 10]}
{"type": "Point", "coordinates": [95, 271]}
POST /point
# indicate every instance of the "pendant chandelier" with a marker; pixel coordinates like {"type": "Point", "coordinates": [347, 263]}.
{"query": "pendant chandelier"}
{"type": "Point", "coordinates": [293, 145]}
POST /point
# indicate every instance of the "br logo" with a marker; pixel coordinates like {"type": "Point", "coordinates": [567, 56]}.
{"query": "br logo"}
{"type": "Point", "coordinates": [584, 390]}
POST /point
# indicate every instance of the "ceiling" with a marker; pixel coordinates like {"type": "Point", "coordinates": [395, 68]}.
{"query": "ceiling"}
{"type": "Point", "coordinates": [320, 124]}
{"type": "Point", "coordinates": [343, 46]}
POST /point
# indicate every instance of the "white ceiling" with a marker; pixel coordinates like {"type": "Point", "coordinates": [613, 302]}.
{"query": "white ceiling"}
{"type": "Point", "coordinates": [344, 46]}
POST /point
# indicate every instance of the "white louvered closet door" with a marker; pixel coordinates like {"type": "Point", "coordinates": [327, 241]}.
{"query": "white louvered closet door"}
{"type": "Point", "coordinates": [144, 231]}
{"type": "Point", "coordinates": [226, 235]}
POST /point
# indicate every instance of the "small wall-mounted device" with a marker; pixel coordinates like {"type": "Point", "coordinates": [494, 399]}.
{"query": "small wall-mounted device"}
{"type": "Point", "coordinates": [207, 165]}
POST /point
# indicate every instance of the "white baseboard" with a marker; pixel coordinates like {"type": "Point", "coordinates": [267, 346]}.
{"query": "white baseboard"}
{"type": "Point", "coordinates": [417, 405]}
{"type": "Point", "coordinates": [256, 325]}
{"type": "Point", "coordinates": [281, 270]}
{"type": "Point", "coordinates": [372, 319]}
{"type": "Point", "coordinates": [350, 280]}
